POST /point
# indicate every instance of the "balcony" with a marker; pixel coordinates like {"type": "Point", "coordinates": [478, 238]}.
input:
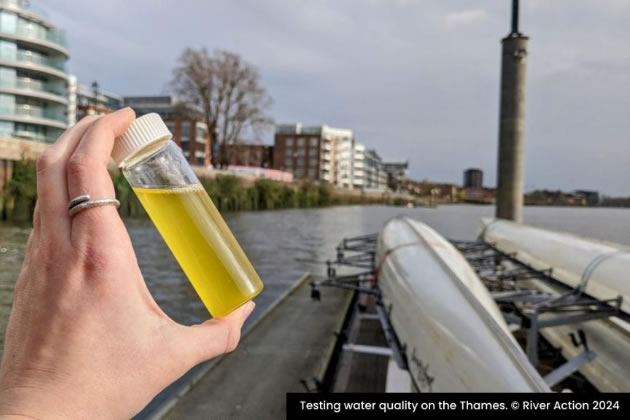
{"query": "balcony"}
{"type": "Point", "coordinates": [31, 57]}
{"type": "Point", "coordinates": [31, 114]}
{"type": "Point", "coordinates": [34, 62]}
{"type": "Point", "coordinates": [28, 135]}
{"type": "Point", "coordinates": [35, 89]}
{"type": "Point", "coordinates": [52, 40]}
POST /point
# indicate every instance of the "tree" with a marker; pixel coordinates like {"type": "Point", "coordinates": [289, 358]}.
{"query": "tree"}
{"type": "Point", "coordinates": [225, 91]}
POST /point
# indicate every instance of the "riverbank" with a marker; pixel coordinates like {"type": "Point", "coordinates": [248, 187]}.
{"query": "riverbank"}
{"type": "Point", "coordinates": [229, 193]}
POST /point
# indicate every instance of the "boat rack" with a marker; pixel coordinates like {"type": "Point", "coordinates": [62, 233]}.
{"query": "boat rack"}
{"type": "Point", "coordinates": [531, 310]}
{"type": "Point", "coordinates": [359, 252]}
{"type": "Point", "coordinates": [524, 309]}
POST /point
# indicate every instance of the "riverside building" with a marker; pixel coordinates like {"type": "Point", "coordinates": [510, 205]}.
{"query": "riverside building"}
{"type": "Point", "coordinates": [309, 152]}
{"type": "Point", "coordinates": [33, 78]}
{"type": "Point", "coordinates": [191, 134]}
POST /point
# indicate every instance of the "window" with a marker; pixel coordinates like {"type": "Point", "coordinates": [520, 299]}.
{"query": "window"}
{"type": "Point", "coordinates": [8, 50]}
{"type": "Point", "coordinates": [288, 142]}
{"type": "Point", "coordinates": [313, 162]}
{"type": "Point", "coordinates": [314, 141]}
{"type": "Point", "coordinates": [314, 151]}
{"type": "Point", "coordinates": [185, 131]}
{"type": "Point", "coordinates": [301, 141]}
{"type": "Point", "coordinates": [312, 173]}
{"type": "Point", "coordinates": [8, 22]}
{"type": "Point", "coordinates": [299, 172]}
{"type": "Point", "coordinates": [299, 162]}
{"type": "Point", "coordinates": [288, 161]}
{"type": "Point", "coordinates": [200, 134]}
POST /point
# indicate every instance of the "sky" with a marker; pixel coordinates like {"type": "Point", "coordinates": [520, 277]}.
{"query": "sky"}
{"type": "Point", "coordinates": [413, 79]}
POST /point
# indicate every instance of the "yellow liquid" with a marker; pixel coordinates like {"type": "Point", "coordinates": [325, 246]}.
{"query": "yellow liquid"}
{"type": "Point", "coordinates": [203, 245]}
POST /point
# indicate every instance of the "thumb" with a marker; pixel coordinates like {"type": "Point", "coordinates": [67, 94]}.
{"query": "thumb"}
{"type": "Point", "coordinates": [214, 337]}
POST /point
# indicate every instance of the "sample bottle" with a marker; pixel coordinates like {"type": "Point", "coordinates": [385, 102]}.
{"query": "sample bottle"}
{"type": "Point", "coordinates": [185, 216]}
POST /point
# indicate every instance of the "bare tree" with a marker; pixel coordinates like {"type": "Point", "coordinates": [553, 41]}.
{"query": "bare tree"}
{"type": "Point", "coordinates": [225, 91]}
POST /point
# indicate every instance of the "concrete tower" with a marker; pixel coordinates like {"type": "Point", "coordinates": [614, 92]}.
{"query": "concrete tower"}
{"type": "Point", "coordinates": [510, 176]}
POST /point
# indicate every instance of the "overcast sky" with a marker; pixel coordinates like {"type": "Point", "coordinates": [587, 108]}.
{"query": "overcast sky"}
{"type": "Point", "coordinates": [414, 79]}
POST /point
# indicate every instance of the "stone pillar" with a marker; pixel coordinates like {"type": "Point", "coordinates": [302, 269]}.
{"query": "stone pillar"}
{"type": "Point", "coordinates": [510, 168]}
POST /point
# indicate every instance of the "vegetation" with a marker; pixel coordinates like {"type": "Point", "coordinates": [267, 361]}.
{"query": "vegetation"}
{"type": "Point", "coordinates": [229, 193]}
{"type": "Point", "coordinates": [19, 195]}
{"type": "Point", "coordinates": [224, 91]}
{"type": "Point", "coordinates": [615, 201]}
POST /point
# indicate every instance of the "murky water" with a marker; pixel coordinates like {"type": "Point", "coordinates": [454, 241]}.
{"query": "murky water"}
{"type": "Point", "coordinates": [284, 244]}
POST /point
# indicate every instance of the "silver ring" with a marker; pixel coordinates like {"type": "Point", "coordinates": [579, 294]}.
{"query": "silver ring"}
{"type": "Point", "coordinates": [83, 202]}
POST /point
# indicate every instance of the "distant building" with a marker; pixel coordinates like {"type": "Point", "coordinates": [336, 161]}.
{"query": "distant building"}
{"type": "Point", "coordinates": [554, 198]}
{"type": "Point", "coordinates": [591, 197]}
{"type": "Point", "coordinates": [189, 133]}
{"type": "Point", "coordinates": [432, 190]}
{"type": "Point", "coordinates": [375, 178]}
{"type": "Point", "coordinates": [252, 155]}
{"type": "Point", "coordinates": [358, 165]}
{"type": "Point", "coordinates": [33, 78]}
{"type": "Point", "coordinates": [397, 171]}
{"type": "Point", "coordinates": [309, 152]}
{"type": "Point", "coordinates": [473, 178]}
{"type": "Point", "coordinates": [90, 100]}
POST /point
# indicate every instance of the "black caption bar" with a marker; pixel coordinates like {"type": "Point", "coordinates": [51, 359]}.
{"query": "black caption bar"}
{"type": "Point", "coordinates": [407, 406]}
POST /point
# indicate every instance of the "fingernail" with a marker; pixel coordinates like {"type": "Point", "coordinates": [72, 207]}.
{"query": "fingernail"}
{"type": "Point", "coordinates": [123, 110]}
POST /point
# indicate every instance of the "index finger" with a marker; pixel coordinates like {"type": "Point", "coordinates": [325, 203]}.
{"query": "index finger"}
{"type": "Point", "coordinates": [86, 170]}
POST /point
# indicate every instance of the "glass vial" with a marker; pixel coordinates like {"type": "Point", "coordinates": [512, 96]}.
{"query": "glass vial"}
{"type": "Point", "coordinates": [185, 216]}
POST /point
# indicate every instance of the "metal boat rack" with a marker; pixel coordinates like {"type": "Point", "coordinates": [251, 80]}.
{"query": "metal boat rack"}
{"type": "Point", "coordinates": [523, 308]}
{"type": "Point", "coordinates": [531, 310]}
{"type": "Point", "coordinates": [359, 252]}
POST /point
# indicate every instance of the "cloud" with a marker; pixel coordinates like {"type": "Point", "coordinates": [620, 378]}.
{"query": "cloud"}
{"type": "Point", "coordinates": [402, 74]}
{"type": "Point", "coordinates": [465, 17]}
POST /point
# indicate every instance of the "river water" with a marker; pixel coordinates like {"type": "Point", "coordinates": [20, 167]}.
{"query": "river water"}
{"type": "Point", "coordinates": [283, 244]}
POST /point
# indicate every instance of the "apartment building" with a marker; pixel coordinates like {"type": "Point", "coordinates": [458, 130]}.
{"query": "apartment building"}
{"type": "Point", "coordinates": [375, 178]}
{"type": "Point", "coordinates": [308, 152]}
{"type": "Point", "coordinates": [33, 77]}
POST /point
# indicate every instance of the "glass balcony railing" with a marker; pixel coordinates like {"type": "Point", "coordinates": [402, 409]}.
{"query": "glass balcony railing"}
{"type": "Point", "coordinates": [37, 112]}
{"type": "Point", "coordinates": [27, 29]}
{"type": "Point", "coordinates": [42, 60]}
{"type": "Point", "coordinates": [29, 135]}
{"type": "Point", "coordinates": [34, 85]}
{"type": "Point", "coordinates": [28, 56]}
{"type": "Point", "coordinates": [38, 85]}
{"type": "Point", "coordinates": [19, 4]}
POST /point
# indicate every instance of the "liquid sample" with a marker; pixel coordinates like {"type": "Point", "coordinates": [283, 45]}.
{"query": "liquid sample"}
{"type": "Point", "coordinates": [203, 245]}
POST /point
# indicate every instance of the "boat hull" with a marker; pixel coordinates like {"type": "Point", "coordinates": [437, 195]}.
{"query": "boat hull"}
{"type": "Point", "coordinates": [602, 267]}
{"type": "Point", "coordinates": [454, 336]}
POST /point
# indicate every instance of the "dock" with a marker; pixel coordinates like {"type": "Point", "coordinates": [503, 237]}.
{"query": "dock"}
{"type": "Point", "coordinates": [287, 349]}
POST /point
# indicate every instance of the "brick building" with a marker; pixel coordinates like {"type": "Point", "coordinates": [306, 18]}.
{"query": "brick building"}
{"type": "Point", "coordinates": [189, 133]}
{"type": "Point", "coordinates": [308, 152]}
{"type": "Point", "coordinates": [255, 155]}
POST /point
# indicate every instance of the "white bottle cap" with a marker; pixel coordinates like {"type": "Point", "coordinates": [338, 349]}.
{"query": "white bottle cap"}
{"type": "Point", "coordinates": [143, 131]}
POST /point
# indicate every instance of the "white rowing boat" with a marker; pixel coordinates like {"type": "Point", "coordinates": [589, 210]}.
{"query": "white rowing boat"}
{"type": "Point", "coordinates": [451, 330]}
{"type": "Point", "coordinates": [601, 268]}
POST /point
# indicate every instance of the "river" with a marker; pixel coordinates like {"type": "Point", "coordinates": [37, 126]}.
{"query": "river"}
{"type": "Point", "coordinates": [283, 244]}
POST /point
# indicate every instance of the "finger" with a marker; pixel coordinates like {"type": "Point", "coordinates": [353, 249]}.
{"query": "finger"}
{"type": "Point", "coordinates": [52, 195]}
{"type": "Point", "coordinates": [86, 170]}
{"type": "Point", "coordinates": [214, 337]}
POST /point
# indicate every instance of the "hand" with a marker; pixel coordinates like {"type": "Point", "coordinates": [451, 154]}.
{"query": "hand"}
{"type": "Point", "coordinates": [85, 339]}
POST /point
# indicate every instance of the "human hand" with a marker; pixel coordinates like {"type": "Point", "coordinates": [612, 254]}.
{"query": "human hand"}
{"type": "Point", "coordinates": [85, 339]}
